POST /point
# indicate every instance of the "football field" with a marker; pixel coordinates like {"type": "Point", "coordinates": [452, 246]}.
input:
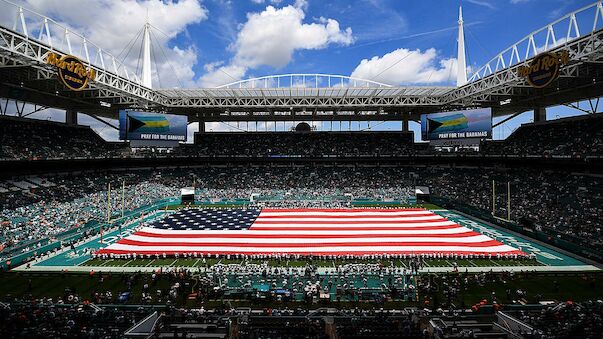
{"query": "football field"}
{"type": "Point", "coordinates": [80, 258]}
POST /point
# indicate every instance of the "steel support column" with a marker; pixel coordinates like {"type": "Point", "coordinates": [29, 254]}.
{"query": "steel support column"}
{"type": "Point", "coordinates": [71, 117]}
{"type": "Point", "coordinates": [405, 124]}
{"type": "Point", "coordinates": [539, 114]}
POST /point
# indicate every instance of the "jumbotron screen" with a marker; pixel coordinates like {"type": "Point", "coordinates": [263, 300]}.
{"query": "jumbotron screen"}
{"type": "Point", "coordinates": [475, 123]}
{"type": "Point", "coordinates": [134, 125]}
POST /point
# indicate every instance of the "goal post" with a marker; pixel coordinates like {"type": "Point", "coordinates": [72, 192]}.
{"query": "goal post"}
{"type": "Point", "coordinates": [507, 216]}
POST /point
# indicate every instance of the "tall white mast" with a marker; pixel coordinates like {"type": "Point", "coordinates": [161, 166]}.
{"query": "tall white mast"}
{"type": "Point", "coordinates": [461, 76]}
{"type": "Point", "coordinates": [146, 56]}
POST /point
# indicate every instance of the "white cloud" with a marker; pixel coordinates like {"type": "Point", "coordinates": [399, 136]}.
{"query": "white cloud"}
{"type": "Point", "coordinates": [270, 37]}
{"type": "Point", "coordinates": [482, 3]}
{"type": "Point", "coordinates": [113, 24]}
{"type": "Point", "coordinates": [8, 14]}
{"type": "Point", "coordinates": [220, 74]}
{"type": "Point", "coordinates": [179, 71]}
{"type": "Point", "coordinates": [259, 2]}
{"type": "Point", "coordinates": [403, 66]}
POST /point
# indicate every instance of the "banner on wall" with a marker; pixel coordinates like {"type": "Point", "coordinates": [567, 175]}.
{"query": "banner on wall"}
{"type": "Point", "coordinates": [475, 123]}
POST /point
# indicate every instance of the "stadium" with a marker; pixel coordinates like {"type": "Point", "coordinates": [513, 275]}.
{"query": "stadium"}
{"type": "Point", "coordinates": [144, 195]}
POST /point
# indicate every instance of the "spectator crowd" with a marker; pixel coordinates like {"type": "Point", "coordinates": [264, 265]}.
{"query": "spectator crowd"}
{"type": "Point", "coordinates": [566, 203]}
{"type": "Point", "coordinates": [28, 139]}
{"type": "Point", "coordinates": [44, 212]}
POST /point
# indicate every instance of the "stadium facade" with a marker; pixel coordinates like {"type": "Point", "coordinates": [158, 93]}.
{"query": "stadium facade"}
{"type": "Point", "coordinates": [28, 42]}
{"type": "Point", "coordinates": [309, 234]}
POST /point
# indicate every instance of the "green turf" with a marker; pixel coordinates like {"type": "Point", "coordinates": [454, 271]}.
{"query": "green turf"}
{"type": "Point", "coordinates": [93, 262]}
{"type": "Point", "coordinates": [139, 263]}
{"type": "Point", "coordinates": [186, 262]}
{"type": "Point", "coordinates": [438, 263]}
{"type": "Point", "coordinates": [538, 287]}
{"type": "Point", "coordinates": [161, 262]}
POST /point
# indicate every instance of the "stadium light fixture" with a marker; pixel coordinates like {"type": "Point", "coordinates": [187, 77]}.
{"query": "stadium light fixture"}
{"type": "Point", "coordinates": [105, 104]}
{"type": "Point", "coordinates": [505, 102]}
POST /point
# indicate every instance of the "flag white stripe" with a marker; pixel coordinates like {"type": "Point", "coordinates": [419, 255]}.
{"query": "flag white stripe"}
{"type": "Point", "coordinates": [317, 232]}
{"type": "Point", "coordinates": [351, 226]}
{"type": "Point", "coordinates": [340, 219]}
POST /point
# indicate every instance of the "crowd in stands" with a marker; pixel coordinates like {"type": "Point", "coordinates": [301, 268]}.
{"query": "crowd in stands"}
{"type": "Point", "coordinates": [351, 282]}
{"type": "Point", "coordinates": [565, 320]}
{"type": "Point", "coordinates": [69, 203]}
{"type": "Point", "coordinates": [57, 320]}
{"type": "Point", "coordinates": [28, 139]}
{"type": "Point", "coordinates": [33, 139]}
{"type": "Point", "coordinates": [44, 318]}
{"type": "Point", "coordinates": [315, 144]}
{"type": "Point", "coordinates": [104, 305]}
{"type": "Point", "coordinates": [382, 325]}
{"type": "Point", "coordinates": [563, 203]}
{"type": "Point", "coordinates": [99, 315]}
{"type": "Point", "coordinates": [578, 136]}
{"type": "Point", "coordinates": [297, 184]}
{"type": "Point", "coordinates": [567, 203]}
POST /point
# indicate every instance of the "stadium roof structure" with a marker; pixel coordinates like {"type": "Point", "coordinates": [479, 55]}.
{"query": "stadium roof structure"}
{"type": "Point", "coordinates": [27, 41]}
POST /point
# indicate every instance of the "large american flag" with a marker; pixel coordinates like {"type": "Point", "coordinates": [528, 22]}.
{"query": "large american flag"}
{"type": "Point", "coordinates": [306, 232]}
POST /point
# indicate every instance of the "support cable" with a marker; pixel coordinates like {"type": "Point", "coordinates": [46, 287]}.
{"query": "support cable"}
{"type": "Point", "coordinates": [131, 45]}
{"type": "Point", "coordinates": [165, 56]}
{"type": "Point", "coordinates": [154, 58]}
{"type": "Point", "coordinates": [139, 58]}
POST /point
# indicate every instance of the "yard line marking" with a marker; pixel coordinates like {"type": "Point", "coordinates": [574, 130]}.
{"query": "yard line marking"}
{"type": "Point", "coordinates": [106, 262]}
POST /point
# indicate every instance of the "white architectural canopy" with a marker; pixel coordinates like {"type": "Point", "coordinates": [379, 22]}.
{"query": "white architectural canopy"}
{"type": "Point", "coordinates": [28, 37]}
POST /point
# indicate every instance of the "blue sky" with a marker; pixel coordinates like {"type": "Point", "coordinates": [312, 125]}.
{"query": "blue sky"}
{"type": "Point", "coordinates": [212, 42]}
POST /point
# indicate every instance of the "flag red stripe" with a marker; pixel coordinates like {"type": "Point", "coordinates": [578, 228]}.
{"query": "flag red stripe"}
{"type": "Point", "coordinates": [326, 216]}
{"type": "Point", "coordinates": [375, 228]}
{"type": "Point", "coordinates": [344, 210]}
{"type": "Point", "coordinates": [260, 221]}
{"type": "Point", "coordinates": [359, 253]}
{"type": "Point", "coordinates": [323, 244]}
